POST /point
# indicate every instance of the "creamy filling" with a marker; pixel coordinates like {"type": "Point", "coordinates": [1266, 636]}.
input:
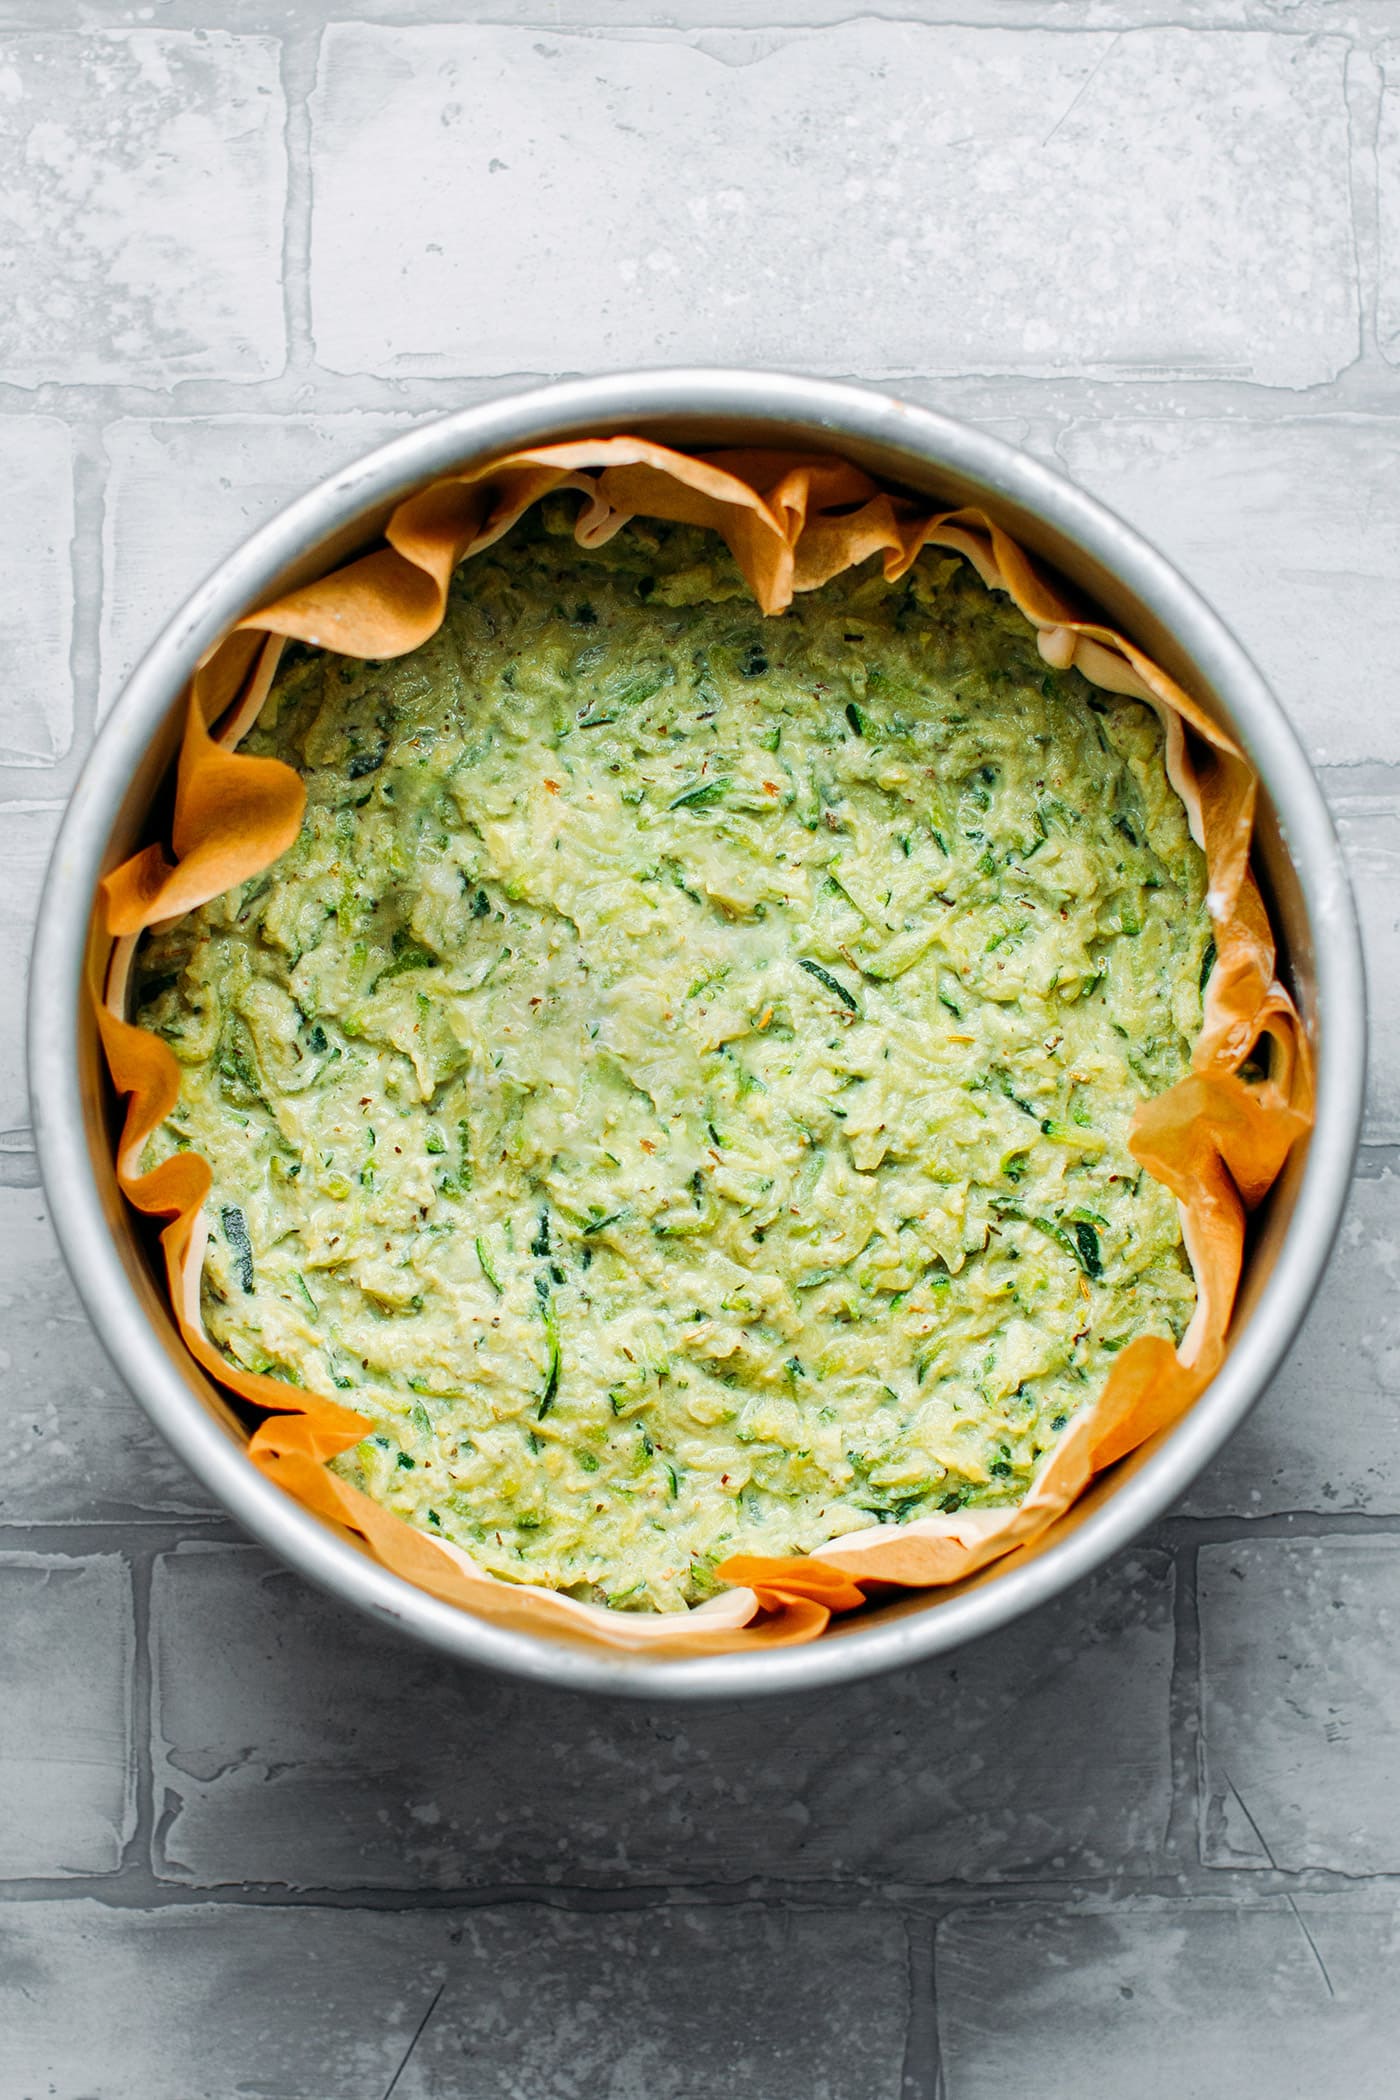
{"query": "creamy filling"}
{"type": "Point", "coordinates": [677, 1086]}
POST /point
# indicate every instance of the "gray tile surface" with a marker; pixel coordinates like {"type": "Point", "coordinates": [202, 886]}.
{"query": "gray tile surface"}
{"type": "Point", "coordinates": [1290, 1997]}
{"type": "Point", "coordinates": [36, 621]}
{"type": "Point", "coordinates": [182, 492]}
{"type": "Point", "coordinates": [972, 1771]}
{"type": "Point", "coordinates": [67, 1803]}
{"type": "Point", "coordinates": [145, 173]}
{"type": "Point", "coordinates": [74, 1448]}
{"type": "Point", "coordinates": [1291, 527]}
{"type": "Point", "coordinates": [685, 196]}
{"type": "Point", "coordinates": [523, 2002]}
{"type": "Point", "coordinates": [1324, 1435]}
{"type": "Point", "coordinates": [1300, 1728]}
{"type": "Point", "coordinates": [29, 828]}
{"type": "Point", "coordinates": [1369, 825]}
{"type": "Point", "coordinates": [1146, 1843]}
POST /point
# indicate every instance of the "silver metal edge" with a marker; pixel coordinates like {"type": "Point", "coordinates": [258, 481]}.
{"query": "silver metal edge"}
{"type": "Point", "coordinates": [830, 411]}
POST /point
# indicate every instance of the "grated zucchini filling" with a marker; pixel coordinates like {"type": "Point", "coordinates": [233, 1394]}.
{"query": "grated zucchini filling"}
{"type": "Point", "coordinates": [677, 1086]}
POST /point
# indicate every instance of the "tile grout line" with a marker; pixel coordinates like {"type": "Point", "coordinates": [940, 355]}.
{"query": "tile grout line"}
{"type": "Point", "coordinates": [137, 1887]}
{"type": "Point", "coordinates": [1181, 1529]}
{"type": "Point", "coordinates": [138, 1532]}
{"type": "Point", "coordinates": [299, 61]}
{"type": "Point", "coordinates": [991, 394]}
{"type": "Point", "coordinates": [1185, 1733]}
{"type": "Point", "coordinates": [1029, 18]}
{"type": "Point", "coordinates": [1362, 88]}
{"type": "Point", "coordinates": [922, 2075]}
{"type": "Point", "coordinates": [90, 470]}
{"type": "Point", "coordinates": [137, 1855]}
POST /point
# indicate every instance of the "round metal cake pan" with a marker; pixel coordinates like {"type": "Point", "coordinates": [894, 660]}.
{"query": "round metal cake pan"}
{"type": "Point", "coordinates": [934, 456]}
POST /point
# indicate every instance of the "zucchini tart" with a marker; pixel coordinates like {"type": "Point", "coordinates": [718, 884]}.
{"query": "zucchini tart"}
{"type": "Point", "coordinates": [677, 1085]}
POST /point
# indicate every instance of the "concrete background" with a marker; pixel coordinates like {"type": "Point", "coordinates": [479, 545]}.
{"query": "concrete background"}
{"type": "Point", "coordinates": [1147, 1844]}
